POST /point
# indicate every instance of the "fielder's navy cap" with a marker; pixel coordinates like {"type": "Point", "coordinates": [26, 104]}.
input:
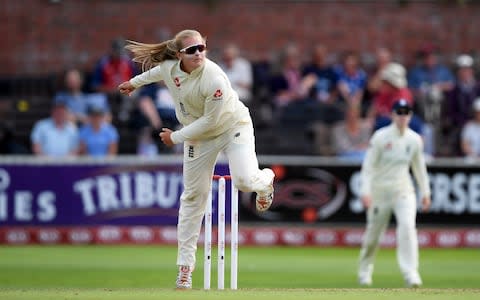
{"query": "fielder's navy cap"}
{"type": "Point", "coordinates": [402, 107]}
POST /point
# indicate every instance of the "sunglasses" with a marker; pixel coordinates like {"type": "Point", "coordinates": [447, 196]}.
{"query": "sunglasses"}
{"type": "Point", "coordinates": [402, 112]}
{"type": "Point", "coordinates": [193, 49]}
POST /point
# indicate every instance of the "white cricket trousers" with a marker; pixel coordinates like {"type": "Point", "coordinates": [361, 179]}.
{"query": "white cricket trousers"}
{"type": "Point", "coordinates": [199, 158]}
{"type": "Point", "coordinates": [404, 206]}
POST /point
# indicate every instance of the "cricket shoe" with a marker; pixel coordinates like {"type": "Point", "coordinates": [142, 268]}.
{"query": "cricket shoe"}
{"type": "Point", "coordinates": [184, 278]}
{"type": "Point", "coordinates": [365, 282]}
{"type": "Point", "coordinates": [263, 201]}
{"type": "Point", "coordinates": [414, 281]}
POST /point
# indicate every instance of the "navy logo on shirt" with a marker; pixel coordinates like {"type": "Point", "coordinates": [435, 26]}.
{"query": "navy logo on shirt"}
{"type": "Point", "coordinates": [182, 108]}
{"type": "Point", "coordinates": [191, 152]}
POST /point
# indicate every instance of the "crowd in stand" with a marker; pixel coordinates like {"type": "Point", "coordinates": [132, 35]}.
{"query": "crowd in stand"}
{"type": "Point", "coordinates": [333, 99]}
{"type": "Point", "coordinates": [80, 123]}
{"type": "Point", "coordinates": [342, 102]}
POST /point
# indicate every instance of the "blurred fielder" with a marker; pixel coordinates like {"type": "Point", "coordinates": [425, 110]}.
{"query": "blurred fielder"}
{"type": "Point", "coordinates": [387, 187]}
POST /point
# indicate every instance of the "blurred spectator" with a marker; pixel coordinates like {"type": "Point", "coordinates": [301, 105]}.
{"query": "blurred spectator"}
{"type": "Point", "coordinates": [156, 109]}
{"type": "Point", "coordinates": [286, 84]}
{"type": "Point", "coordinates": [429, 81]}
{"type": "Point", "coordinates": [112, 69]}
{"type": "Point", "coordinates": [470, 142]}
{"type": "Point", "coordinates": [78, 101]}
{"type": "Point", "coordinates": [261, 102]}
{"type": "Point", "coordinates": [382, 58]}
{"type": "Point", "coordinates": [352, 80]}
{"type": "Point", "coordinates": [352, 135]}
{"type": "Point", "coordinates": [55, 136]}
{"type": "Point", "coordinates": [8, 144]}
{"type": "Point", "coordinates": [239, 71]}
{"type": "Point", "coordinates": [458, 107]}
{"type": "Point", "coordinates": [323, 83]}
{"type": "Point", "coordinates": [146, 144]}
{"type": "Point", "coordinates": [320, 80]}
{"type": "Point", "coordinates": [157, 106]}
{"type": "Point", "coordinates": [393, 86]}
{"type": "Point", "coordinates": [392, 89]}
{"type": "Point", "coordinates": [98, 137]}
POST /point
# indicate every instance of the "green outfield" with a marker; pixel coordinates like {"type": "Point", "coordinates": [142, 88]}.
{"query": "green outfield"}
{"type": "Point", "coordinates": [148, 272]}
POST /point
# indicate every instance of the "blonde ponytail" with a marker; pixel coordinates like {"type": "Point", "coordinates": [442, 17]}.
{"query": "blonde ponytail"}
{"type": "Point", "coordinates": [149, 55]}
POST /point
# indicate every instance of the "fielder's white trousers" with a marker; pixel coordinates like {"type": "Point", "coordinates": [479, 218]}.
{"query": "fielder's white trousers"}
{"type": "Point", "coordinates": [404, 206]}
{"type": "Point", "coordinates": [199, 158]}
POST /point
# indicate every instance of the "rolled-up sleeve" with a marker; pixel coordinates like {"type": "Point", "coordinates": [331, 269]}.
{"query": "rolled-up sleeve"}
{"type": "Point", "coordinates": [152, 75]}
{"type": "Point", "coordinates": [368, 166]}
{"type": "Point", "coordinates": [419, 170]}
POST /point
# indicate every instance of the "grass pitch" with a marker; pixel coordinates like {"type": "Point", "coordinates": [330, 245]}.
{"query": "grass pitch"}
{"type": "Point", "coordinates": [148, 272]}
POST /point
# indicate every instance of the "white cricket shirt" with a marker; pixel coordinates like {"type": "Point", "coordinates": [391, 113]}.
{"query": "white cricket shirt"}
{"type": "Point", "coordinates": [388, 161]}
{"type": "Point", "coordinates": [205, 102]}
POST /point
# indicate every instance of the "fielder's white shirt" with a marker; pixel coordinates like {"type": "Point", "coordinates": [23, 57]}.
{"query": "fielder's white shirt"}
{"type": "Point", "coordinates": [205, 102]}
{"type": "Point", "coordinates": [388, 160]}
{"type": "Point", "coordinates": [471, 134]}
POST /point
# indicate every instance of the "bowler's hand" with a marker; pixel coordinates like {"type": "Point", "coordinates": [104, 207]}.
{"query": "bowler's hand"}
{"type": "Point", "coordinates": [366, 200]}
{"type": "Point", "coordinates": [165, 136]}
{"type": "Point", "coordinates": [426, 202]}
{"type": "Point", "coordinates": [126, 88]}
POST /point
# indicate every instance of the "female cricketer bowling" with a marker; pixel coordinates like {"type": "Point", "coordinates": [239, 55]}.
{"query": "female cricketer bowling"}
{"type": "Point", "coordinates": [214, 120]}
{"type": "Point", "coordinates": [387, 187]}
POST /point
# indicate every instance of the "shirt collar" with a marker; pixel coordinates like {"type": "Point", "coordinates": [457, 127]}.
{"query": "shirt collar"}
{"type": "Point", "coordinates": [194, 72]}
{"type": "Point", "coordinates": [396, 130]}
{"type": "Point", "coordinates": [199, 69]}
